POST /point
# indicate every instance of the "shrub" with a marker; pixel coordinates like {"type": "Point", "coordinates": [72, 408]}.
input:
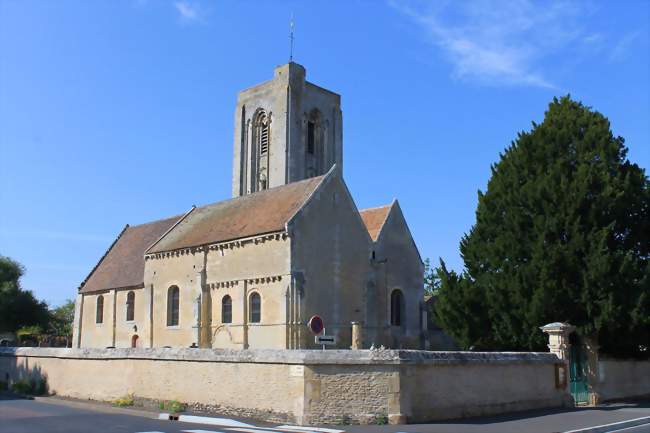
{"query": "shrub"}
{"type": "Point", "coordinates": [21, 387]}
{"type": "Point", "coordinates": [124, 401]}
{"type": "Point", "coordinates": [4, 386]}
{"type": "Point", "coordinates": [173, 406]}
{"type": "Point", "coordinates": [39, 386]}
{"type": "Point", "coordinates": [31, 387]}
{"type": "Point", "coordinates": [381, 419]}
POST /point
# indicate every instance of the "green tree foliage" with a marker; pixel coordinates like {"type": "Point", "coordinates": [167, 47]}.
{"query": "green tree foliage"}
{"type": "Point", "coordinates": [562, 233]}
{"type": "Point", "coordinates": [62, 318]}
{"type": "Point", "coordinates": [431, 280]}
{"type": "Point", "coordinates": [18, 307]}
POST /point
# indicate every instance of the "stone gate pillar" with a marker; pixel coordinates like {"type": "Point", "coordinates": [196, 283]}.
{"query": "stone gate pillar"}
{"type": "Point", "coordinates": [558, 338]}
{"type": "Point", "coordinates": [357, 336]}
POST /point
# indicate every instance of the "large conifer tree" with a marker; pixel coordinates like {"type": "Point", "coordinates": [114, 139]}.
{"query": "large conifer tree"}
{"type": "Point", "coordinates": [562, 233]}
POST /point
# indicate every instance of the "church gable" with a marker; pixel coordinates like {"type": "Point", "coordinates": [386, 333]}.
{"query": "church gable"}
{"type": "Point", "coordinates": [394, 233]}
{"type": "Point", "coordinates": [374, 219]}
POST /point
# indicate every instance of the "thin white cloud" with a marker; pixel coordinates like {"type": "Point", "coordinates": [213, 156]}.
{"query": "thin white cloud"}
{"type": "Point", "coordinates": [622, 47]}
{"type": "Point", "coordinates": [188, 12]}
{"type": "Point", "coordinates": [499, 42]}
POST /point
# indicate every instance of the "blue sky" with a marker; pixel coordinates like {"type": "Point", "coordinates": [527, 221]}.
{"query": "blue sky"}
{"type": "Point", "coordinates": [121, 111]}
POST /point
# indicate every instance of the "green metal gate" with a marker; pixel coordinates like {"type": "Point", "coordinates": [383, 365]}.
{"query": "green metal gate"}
{"type": "Point", "coordinates": [577, 373]}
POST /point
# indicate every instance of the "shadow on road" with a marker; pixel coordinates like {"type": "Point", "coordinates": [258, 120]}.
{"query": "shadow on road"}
{"type": "Point", "coordinates": [517, 416]}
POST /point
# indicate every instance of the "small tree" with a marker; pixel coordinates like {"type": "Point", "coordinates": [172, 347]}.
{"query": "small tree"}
{"type": "Point", "coordinates": [562, 233]}
{"type": "Point", "coordinates": [61, 321]}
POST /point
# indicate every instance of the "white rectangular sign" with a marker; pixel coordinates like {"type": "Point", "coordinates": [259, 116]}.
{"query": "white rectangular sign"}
{"type": "Point", "coordinates": [325, 340]}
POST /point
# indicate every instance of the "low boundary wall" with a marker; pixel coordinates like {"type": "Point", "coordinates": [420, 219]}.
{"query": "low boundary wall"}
{"type": "Point", "coordinates": [302, 386]}
{"type": "Point", "coordinates": [619, 379]}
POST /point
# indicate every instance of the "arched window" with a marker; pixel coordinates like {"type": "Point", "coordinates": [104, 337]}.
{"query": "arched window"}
{"type": "Point", "coordinates": [314, 144]}
{"type": "Point", "coordinates": [255, 308]}
{"type": "Point", "coordinates": [130, 306]}
{"type": "Point", "coordinates": [396, 308]}
{"type": "Point", "coordinates": [226, 309]}
{"type": "Point", "coordinates": [173, 295]}
{"type": "Point", "coordinates": [99, 314]}
{"type": "Point", "coordinates": [261, 149]}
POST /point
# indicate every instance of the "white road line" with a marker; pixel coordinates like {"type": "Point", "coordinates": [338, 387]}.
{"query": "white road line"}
{"type": "Point", "coordinates": [612, 427]}
{"type": "Point", "coordinates": [200, 431]}
{"type": "Point", "coordinates": [298, 429]}
{"type": "Point", "coordinates": [225, 422]}
{"type": "Point", "coordinates": [256, 430]}
{"type": "Point", "coordinates": [150, 432]}
{"type": "Point", "coordinates": [627, 428]}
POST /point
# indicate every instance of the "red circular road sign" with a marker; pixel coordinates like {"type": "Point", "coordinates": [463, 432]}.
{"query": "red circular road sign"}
{"type": "Point", "coordinates": [316, 325]}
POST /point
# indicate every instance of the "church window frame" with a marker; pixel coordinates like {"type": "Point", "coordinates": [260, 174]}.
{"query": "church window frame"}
{"type": "Point", "coordinates": [173, 306]}
{"type": "Point", "coordinates": [130, 306]}
{"type": "Point", "coordinates": [397, 308]}
{"type": "Point", "coordinates": [99, 310]}
{"type": "Point", "coordinates": [315, 143]}
{"type": "Point", "coordinates": [255, 308]}
{"type": "Point", "coordinates": [261, 150]}
{"type": "Point", "coordinates": [311, 137]}
{"type": "Point", "coordinates": [226, 309]}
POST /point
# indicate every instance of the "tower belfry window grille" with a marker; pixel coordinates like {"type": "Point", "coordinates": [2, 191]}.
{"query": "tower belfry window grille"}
{"type": "Point", "coordinates": [264, 139]}
{"type": "Point", "coordinates": [261, 149]}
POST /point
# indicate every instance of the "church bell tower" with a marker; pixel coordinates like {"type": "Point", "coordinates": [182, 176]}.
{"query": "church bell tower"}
{"type": "Point", "coordinates": [286, 129]}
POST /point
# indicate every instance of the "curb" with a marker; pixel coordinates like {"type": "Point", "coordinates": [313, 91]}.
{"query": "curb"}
{"type": "Point", "coordinates": [96, 407]}
{"type": "Point", "coordinates": [225, 422]}
{"type": "Point", "coordinates": [613, 426]}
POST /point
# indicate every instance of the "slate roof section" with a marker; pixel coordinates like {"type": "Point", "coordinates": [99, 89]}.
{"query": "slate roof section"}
{"type": "Point", "coordinates": [374, 219]}
{"type": "Point", "coordinates": [123, 264]}
{"type": "Point", "coordinates": [254, 214]}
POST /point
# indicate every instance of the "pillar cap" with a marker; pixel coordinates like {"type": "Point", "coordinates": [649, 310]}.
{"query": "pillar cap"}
{"type": "Point", "coordinates": [558, 327]}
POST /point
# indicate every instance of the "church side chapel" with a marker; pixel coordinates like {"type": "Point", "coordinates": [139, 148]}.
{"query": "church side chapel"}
{"type": "Point", "coordinates": [250, 271]}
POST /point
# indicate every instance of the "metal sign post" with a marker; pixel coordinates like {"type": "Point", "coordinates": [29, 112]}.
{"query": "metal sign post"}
{"type": "Point", "coordinates": [317, 327]}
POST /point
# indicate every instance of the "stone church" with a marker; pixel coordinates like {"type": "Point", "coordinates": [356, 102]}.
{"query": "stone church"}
{"type": "Point", "coordinates": [250, 271]}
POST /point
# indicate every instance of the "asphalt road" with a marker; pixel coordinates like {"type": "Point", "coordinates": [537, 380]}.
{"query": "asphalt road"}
{"type": "Point", "coordinates": [54, 415]}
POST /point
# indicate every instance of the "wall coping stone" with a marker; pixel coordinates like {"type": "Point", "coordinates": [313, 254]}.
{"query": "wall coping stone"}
{"type": "Point", "coordinates": [282, 356]}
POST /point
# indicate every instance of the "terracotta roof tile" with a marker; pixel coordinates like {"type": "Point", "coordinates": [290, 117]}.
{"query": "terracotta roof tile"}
{"type": "Point", "coordinates": [262, 212]}
{"type": "Point", "coordinates": [374, 219]}
{"type": "Point", "coordinates": [123, 264]}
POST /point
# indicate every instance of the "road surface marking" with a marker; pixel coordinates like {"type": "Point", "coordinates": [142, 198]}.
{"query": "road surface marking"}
{"type": "Point", "coordinates": [626, 428]}
{"type": "Point", "coordinates": [225, 422]}
{"type": "Point", "coordinates": [298, 429]}
{"type": "Point", "coordinates": [200, 431]}
{"type": "Point", "coordinates": [258, 430]}
{"type": "Point", "coordinates": [636, 422]}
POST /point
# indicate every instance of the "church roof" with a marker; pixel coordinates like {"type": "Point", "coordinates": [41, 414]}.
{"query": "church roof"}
{"type": "Point", "coordinates": [374, 219]}
{"type": "Point", "coordinates": [123, 264]}
{"type": "Point", "coordinates": [253, 214]}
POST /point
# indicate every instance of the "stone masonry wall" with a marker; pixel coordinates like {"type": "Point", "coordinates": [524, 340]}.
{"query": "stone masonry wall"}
{"type": "Point", "coordinates": [301, 386]}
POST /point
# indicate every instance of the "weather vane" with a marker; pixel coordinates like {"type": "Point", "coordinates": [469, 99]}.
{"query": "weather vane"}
{"type": "Point", "coordinates": [291, 26]}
